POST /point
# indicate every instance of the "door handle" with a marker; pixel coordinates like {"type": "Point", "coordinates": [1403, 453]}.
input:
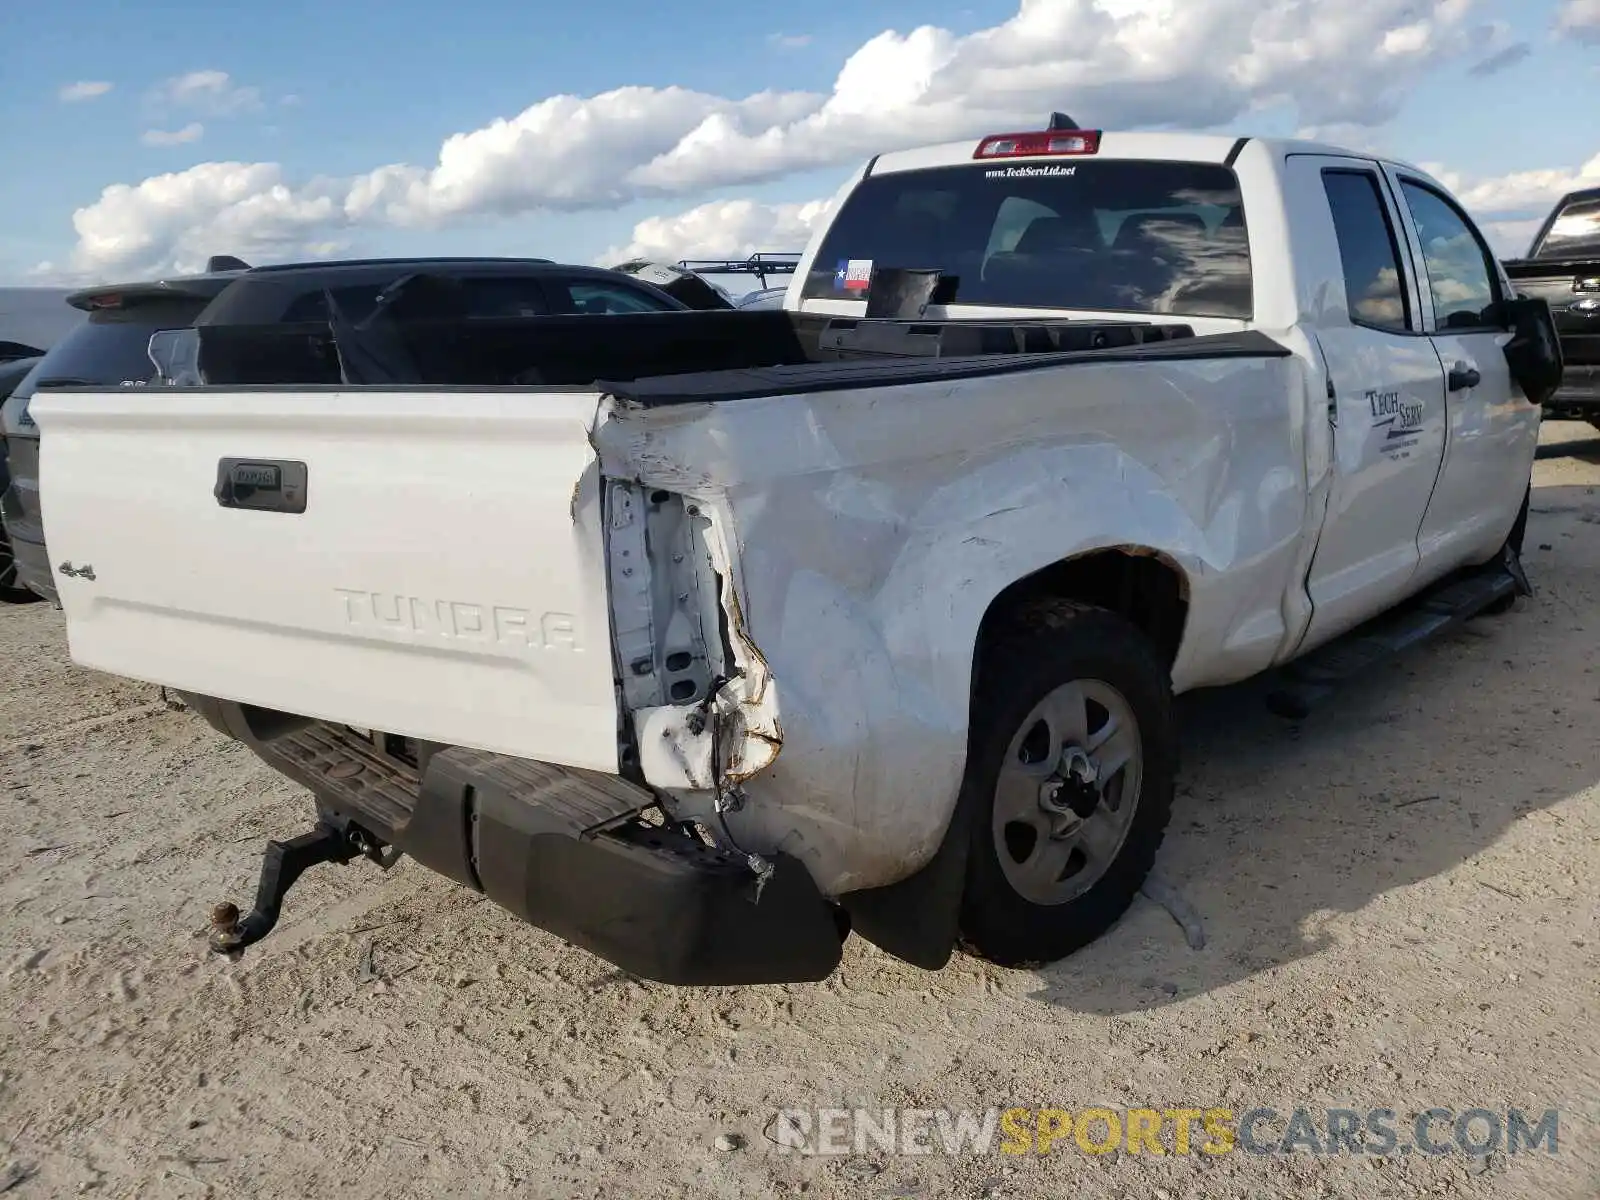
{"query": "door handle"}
{"type": "Point", "coordinates": [1463, 377]}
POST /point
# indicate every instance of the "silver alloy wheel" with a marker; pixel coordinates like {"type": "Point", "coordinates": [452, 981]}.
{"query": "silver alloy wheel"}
{"type": "Point", "coordinates": [1067, 791]}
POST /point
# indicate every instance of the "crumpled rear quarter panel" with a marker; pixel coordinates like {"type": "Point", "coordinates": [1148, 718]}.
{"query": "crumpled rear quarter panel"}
{"type": "Point", "coordinates": [874, 527]}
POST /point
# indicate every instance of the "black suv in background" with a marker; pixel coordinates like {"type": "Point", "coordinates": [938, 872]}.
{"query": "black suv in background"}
{"type": "Point", "coordinates": [112, 347]}
{"type": "Point", "coordinates": [12, 372]}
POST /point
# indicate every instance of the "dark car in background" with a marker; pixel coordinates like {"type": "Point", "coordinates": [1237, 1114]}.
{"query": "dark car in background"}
{"type": "Point", "coordinates": [12, 372]}
{"type": "Point", "coordinates": [1563, 268]}
{"type": "Point", "coordinates": [32, 319]}
{"type": "Point", "coordinates": [113, 346]}
{"type": "Point", "coordinates": [109, 347]}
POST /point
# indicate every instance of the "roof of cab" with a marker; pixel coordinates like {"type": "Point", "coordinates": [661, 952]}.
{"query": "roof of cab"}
{"type": "Point", "coordinates": [1172, 147]}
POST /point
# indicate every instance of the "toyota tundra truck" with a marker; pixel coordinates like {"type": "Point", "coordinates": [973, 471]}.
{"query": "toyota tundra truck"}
{"type": "Point", "coordinates": [703, 639]}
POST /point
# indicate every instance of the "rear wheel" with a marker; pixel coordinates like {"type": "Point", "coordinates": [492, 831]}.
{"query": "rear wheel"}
{"type": "Point", "coordinates": [1070, 775]}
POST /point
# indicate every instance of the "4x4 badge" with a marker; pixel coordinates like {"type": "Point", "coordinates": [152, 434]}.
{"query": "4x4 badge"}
{"type": "Point", "coordinates": [84, 572]}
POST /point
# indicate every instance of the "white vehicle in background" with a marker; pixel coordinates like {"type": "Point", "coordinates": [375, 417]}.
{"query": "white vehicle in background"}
{"type": "Point", "coordinates": [763, 298]}
{"type": "Point", "coordinates": [744, 629]}
{"type": "Point", "coordinates": [691, 280]}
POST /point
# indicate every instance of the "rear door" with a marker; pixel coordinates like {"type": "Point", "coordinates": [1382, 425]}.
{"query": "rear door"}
{"type": "Point", "coordinates": [1494, 430]}
{"type": "Point", "coordinates": [429, 563]}
{"type": "Point", "coordinates": [1386, 404]}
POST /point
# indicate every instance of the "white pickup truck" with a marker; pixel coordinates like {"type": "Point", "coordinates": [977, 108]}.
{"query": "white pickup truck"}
{"type": "Point", "coordinates": [700, 639]}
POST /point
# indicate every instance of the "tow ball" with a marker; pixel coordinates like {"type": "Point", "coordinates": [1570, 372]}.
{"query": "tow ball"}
{"type": "Point", "coordinates": [332, 841]}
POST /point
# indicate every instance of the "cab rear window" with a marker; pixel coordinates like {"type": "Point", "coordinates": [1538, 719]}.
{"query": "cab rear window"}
{"type": "Point", "coordinates": [1104, 235]}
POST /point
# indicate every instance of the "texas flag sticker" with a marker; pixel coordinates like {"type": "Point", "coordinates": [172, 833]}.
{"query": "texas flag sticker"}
{"type": "Point", "coordinates": [853, 275]}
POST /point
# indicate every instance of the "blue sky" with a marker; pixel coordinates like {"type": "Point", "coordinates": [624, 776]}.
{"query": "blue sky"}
{"type": "Point", "coordinates": [330, 92]}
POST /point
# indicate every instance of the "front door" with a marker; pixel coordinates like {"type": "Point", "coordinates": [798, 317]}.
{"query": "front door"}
{"type": "Point", "coordinates": [1494, 430]}
{"type": "Point", "coordinates": [1386, 404]}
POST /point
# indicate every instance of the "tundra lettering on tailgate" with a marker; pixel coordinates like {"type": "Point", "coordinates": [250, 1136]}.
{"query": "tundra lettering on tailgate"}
{"type": "Point", "coordinates": [422, 619]}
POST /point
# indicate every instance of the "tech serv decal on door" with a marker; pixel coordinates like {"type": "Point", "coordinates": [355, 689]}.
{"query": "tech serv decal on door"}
{"type": "Point", "coordinates": [1397, 420]}
{"type": "Point", "coordinates": [852, 275]}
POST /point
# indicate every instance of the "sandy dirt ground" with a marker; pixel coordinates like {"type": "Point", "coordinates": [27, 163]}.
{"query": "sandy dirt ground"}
{"type": "Point", "coordinates": [1399, 894]}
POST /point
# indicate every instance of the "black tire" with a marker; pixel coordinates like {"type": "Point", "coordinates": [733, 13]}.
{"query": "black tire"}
{"type": "Point", "coordinates": [1519, 528]}
{"type": "Point", "coordinates": [1050, 645]}
{"type": "Point", "coordinates": [1512, 552]}
{"type": "Point", "coordinates": [12, 592]}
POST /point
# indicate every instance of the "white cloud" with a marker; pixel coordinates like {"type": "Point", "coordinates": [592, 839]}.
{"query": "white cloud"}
{"type": "Point", "coordinates": [724, 227]}
{"type": "Point", "coordinates": [177, 221]}
{"type": "Point", "coordinates": [84, 89]}
{"type": "Point", "coordinates": [192, 132]}
{"type": "Point", "coordinates": [213, 93]}
{"type": "Point", "coordinates": [1511, 239]}
{"type": "Point", "coordinates": [1115, 63]}
{"type": "Point", "coordinates": [1580, 19]}
{"type": "Point", "coordinates": [566, 153]}
{"type": "Point", "coordinates": [790, 41]}
{"type": "Point", "coordinates": [1520, 190]}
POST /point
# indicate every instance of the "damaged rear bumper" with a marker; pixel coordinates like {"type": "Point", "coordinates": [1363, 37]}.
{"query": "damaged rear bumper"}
{"type": "Point", "coordinates": [568, 850]}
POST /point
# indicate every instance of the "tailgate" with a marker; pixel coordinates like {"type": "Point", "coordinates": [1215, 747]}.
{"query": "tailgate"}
{"type": "Point", "coordinates": [424, 563]}
{"type": "Point", "coordinates": [1573, 291]}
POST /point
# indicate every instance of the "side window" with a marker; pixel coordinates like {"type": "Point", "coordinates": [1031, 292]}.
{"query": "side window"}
{"type": "Point", "coordinates": [354, 302]}
{"type": "Point", "coordinates": [1374, 283]}
{"type": "Point", "coordinates": [1459, 275]}
{"type": "Point", "coordinates": [503, 296]}
{"type": "Point", "coordinates": [599, 297]}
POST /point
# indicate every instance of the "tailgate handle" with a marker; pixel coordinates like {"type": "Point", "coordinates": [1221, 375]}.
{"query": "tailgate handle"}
{"type": "Point", "coordinates": [262, 485]}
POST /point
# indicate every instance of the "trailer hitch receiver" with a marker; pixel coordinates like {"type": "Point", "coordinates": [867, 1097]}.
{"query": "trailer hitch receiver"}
{"type": "Point", "coordinates": [332, 841]}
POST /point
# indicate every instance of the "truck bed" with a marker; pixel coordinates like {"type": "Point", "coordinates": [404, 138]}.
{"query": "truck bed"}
{"type": "Point", "coordinates": [662, 358]}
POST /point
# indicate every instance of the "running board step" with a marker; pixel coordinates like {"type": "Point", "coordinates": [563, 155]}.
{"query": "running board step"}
{"type": "Point", "coordinates": [1313, 678]}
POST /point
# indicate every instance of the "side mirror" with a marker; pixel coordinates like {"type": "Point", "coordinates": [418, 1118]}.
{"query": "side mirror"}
{"type": "Point", "coordinates": [1534, 351]}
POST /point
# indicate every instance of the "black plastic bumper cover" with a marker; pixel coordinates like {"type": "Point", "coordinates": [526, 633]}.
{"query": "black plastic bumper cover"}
{"type": "Point", "coordinates": [655, 901]}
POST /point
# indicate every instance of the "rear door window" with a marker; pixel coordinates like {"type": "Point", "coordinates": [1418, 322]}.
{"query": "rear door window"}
{"type": "Point", "coordinates": [1374, 281]}
{"type": "Point", "coordinates": [1105, 235]}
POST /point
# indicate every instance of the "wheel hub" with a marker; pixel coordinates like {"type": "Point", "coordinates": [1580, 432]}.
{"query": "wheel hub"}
{"type": "Point", "coordinates": [1067, 791]}
{"type": "Point", "coordinates": [1072, 792]}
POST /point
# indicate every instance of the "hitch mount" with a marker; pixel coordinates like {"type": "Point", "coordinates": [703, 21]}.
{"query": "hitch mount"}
{"type": "Point", "coordinates": [333, 840]}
